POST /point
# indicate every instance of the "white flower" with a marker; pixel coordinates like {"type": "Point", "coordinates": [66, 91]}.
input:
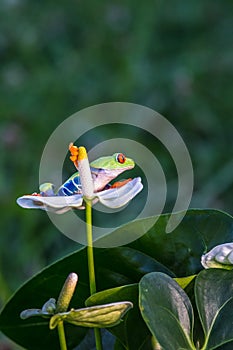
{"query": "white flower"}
{"type": "Point", "coordinates": [220, 256]}
{"type": "Point", "coordinates": [115, 196]}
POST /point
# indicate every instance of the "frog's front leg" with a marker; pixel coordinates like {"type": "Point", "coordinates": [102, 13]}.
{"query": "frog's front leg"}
{"type": "Point", "coordinates": [120, 183]}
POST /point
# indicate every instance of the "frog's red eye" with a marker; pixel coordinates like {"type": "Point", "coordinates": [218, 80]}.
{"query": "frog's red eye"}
{"type": "Point", "coordinates": [120, 158]}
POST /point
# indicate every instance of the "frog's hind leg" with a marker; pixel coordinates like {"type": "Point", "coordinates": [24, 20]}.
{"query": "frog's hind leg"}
{"type": "Point", "coordinates": [47, 189]}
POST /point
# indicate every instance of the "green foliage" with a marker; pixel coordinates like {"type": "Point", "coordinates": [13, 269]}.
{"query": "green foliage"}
{"type": "Point", "coordinates": [175, 254]}
{"type": "Point", "coordinates": [214, 298]}
{"type": "Point", "coordinates": [59, 57]}
{"type": "Point", "coordinates": [168, 312]}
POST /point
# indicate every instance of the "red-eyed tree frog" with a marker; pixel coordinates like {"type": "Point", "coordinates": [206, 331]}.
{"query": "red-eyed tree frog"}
{"type": "Point", "coordinates": [90, 180]}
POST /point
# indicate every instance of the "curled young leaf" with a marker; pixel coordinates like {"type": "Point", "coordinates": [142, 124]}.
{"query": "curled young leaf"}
{"type": "Point", "coordinates": [49, 307]}
{"type": "Point", "coordinates": [30, 313]}
{"type": "Point", "coordinates": [47, 310]}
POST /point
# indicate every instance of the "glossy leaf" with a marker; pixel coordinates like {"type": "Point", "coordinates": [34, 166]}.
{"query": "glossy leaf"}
{"type": "Point", "coordinates": [214, 298]}
{"type": "Point", "coordinates": [166, 310]}
{"type": "Point", "coordinates": [126, 266]}
{"type": "Point", "coordinates": [181, 250]}
{"type": "Point", "coordinates": [118, 345]}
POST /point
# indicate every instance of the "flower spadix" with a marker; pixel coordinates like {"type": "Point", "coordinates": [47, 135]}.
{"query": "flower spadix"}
{"type": "Point", "coordinates": [80, 160]}
{"type": "Point", "coordinates": [91, 182]}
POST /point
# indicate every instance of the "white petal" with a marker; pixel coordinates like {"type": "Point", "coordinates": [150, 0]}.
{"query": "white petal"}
{"type": "Point", "coordinates": [58, 204]}
{"type": "Point", "coordinates": [220, 256]}
{"type": "Point", "coordinates": [118, 197]}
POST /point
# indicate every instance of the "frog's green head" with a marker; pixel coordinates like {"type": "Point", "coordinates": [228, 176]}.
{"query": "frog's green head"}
{"type": "Point", "coordinates": [118, 161]}
{"type": "Point", "coordinates": [105, 169]}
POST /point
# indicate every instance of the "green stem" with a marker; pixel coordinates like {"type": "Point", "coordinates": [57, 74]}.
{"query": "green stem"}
{"type": "Point", "coordinates": [91, 265]}
{"type": "Point", "coordinates": [61, 334]}
{"type": "Point", "coordinates": [98, 340]}
{"type": "Point", "coordinates": [90, 255]}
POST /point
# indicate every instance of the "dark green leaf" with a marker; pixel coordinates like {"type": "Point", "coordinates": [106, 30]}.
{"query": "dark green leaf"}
{"type": "Point", "coordinates": [222, 331]}
{"type": "Point", "coordinates": [166, 310]}
{"type": "Point", "coordinates": [181, 250]}
{"type": "Point", "coordinates": [214, 298]}
{"type": "Point", "coordinates": [118, 345]}
{"type": "Point", "coordinates": [227, 346]}
{"type": "Point", "coordinates": [130, 263]}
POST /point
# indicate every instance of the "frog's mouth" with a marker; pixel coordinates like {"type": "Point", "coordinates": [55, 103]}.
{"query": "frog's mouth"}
{"type": "Point", "coordinates": [105, 178]}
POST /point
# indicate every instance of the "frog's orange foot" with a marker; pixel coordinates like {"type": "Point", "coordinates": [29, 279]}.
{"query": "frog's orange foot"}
{"type": "Point", "coordinates": [120, 183]}
{"type": "Point", "coordinates": [74, 152]}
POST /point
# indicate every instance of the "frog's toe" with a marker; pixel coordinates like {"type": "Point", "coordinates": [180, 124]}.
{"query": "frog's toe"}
{"type": "Point", "coordinates": [74, 158]}
{"type": "Point", "coordinates": [73, 149]}
{"type": "Point", "coordinates": [74, 152]}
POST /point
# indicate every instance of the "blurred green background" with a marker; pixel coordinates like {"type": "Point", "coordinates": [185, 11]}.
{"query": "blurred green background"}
{"type": "Point", "coordinates": [175, 57]}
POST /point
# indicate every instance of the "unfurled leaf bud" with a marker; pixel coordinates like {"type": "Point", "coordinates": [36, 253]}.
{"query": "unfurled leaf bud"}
{"type": "Point", "coordinates": [100, 316]}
